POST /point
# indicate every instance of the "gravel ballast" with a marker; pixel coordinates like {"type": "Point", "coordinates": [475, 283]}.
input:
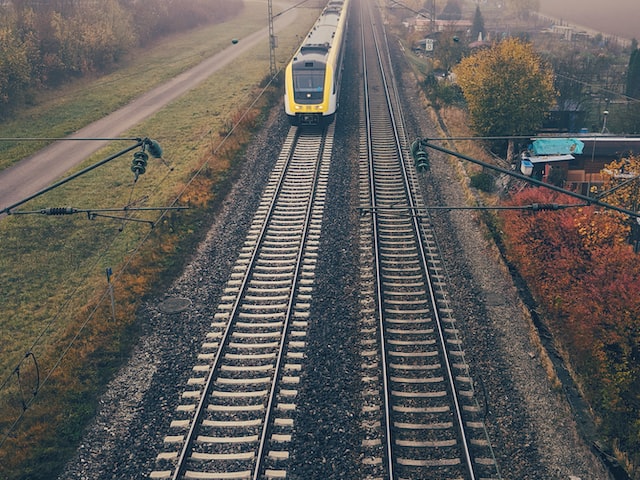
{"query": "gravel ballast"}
{"type": "Point", "coordinates": [530, 423]}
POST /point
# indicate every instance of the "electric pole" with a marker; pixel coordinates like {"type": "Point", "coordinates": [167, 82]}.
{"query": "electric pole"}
{"type": "Point", "coordinates": [272, 43]}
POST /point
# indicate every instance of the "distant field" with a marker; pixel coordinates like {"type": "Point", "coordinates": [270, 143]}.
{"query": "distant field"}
{"type": "Point", "coordinates": [614, 17]}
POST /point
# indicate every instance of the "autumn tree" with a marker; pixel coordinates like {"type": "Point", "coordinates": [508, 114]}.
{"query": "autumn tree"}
{"type": "Point", "coordinates": [15, 70]}
{"type": "Point", "coordinates": [585, 278]}
{"type": "Point", "coordinates": [508, 89]}
{"type": "Point", "coordinates": [45, 43]}
{"type": "Point", "coordinates": [622, 182]}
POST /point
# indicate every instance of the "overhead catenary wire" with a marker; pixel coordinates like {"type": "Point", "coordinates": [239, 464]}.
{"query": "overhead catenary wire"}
{"type": "Point", "coordinates": [600, 88]}
{"type": "Point", "coordinates": [588, 200]}
{"type": "Point", "coordinates": [125, 264]}
{"type": "Point", "coordinates": [526, 137]}
{"type": "Point", "coordinates": [93, 213]}
{"type": "Point", "coordinates": [69, 139]}
{"type": "Point", "coordinates": [138, 144]}
{"type": "Point", "coordinates": [155, 149]}
{"type": "Point", "coordinates": [534, 207]}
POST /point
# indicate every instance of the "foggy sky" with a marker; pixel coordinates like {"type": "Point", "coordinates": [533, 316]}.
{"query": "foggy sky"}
{"type": "Point", "coordinates": [613, 17]}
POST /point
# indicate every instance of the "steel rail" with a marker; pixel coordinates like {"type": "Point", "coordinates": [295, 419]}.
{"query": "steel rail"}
{"type": "Point", "coordinates": [376, 247]}
{"type": "Point", "coordinates": [200, 408]}
{"type": "Point", "coordinates": [290, 304]}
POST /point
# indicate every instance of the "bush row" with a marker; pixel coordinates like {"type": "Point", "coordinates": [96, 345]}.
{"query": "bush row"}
{"type": "Point", "coordinates": [583, 272]}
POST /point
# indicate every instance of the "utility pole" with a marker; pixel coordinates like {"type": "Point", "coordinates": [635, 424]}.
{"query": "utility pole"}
{"type": "Point", "coordinates": [433, 16]}
{"type": "Point", "coordinates": [272, 43]}
{"type": "Point", "coordinates": [605, 114]}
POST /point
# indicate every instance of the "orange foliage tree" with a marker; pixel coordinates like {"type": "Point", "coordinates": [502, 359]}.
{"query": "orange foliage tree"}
{"type": "Point", "coordinates": [581, 269]}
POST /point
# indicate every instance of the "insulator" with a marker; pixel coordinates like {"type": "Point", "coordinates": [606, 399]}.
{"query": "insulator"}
{"type": "Point", "coordinates": [420, 155]}
{"type": "Point", "coordinates": [139, 163]}
{"type": "Point", "coordinates": [544, 206]}
{"type": "Point", "coordinates": [154, 148]}
{"type": "Point", "coordinates": [58, 211]}
{"type": "Point", "coordinates": [422, 160]}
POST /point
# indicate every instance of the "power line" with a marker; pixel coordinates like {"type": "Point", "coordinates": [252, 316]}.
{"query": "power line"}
{"type": "Point", "coordinates": [93, 213]}
{"type": "Point", "coordinates": [138, 168]}
{"type": "Point", "coordinates": [62, 139]}
{"type": "Point", "coordinates": [598, 87]}
{"type": "Point", "coordinates": [539, 183]}
{"type": "Point", "coordinates": [534, 207]}
{"type": "Point", "coordinates": [126, 262]}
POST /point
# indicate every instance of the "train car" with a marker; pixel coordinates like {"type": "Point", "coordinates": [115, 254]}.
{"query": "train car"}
{"type": "Point", "coordinates": [312, 78]}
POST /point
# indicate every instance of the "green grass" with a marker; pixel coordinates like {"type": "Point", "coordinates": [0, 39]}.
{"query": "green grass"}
{"type": "Point", "coordinates": [52, 269]}
{"type": "Point", "coordinates": [41, 256]}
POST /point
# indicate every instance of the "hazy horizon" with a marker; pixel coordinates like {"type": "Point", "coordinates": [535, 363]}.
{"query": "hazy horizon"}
{"type": "Point", "coordinates": [620, 18]}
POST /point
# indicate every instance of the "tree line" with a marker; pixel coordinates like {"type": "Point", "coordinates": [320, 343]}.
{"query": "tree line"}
{"type": "Point", "coordinates": [46, 43]}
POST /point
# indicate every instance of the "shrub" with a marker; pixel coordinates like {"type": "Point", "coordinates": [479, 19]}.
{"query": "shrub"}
{"type": "Point", "coordinates": [483, 181]}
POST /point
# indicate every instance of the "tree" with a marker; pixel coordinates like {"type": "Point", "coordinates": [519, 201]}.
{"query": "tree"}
{"type": "Point", "coordinates": [633, 75]}
{"type": "Point", "coordinates": [631, 117]}
{"type": "Point", "coordinates": [523, 8]}
{"type": "Point", "coordinates": [449, 50]}
{"type": "Point", "coordinates": [15, 70]}
{"type": "Point", "coordinates": [451, 11]}
{"type": "Point", "coordinates": [477, 28]}
{"type": "Point", "coordinates": [578, 266]}
{"type": "Point", "coordinates": [508, 89]}
{"type": "Point", "coordinates": [622, 182]}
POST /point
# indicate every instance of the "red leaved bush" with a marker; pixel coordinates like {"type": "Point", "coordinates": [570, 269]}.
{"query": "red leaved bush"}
{"type": "Point", "coordinates": [587, 278]}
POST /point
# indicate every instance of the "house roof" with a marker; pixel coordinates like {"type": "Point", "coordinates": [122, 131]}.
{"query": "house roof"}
{"type": "Point", "coordinates": [613, 146]}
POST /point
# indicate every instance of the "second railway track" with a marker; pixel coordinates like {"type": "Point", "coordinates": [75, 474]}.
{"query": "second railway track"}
{"type": "Point", "coordinates": [422, 418]}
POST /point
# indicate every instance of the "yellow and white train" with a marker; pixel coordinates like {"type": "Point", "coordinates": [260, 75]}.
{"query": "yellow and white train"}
{"type": "Point", "coordinates": [312, 78]}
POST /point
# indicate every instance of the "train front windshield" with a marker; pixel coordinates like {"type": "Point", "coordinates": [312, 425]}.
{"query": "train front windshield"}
{"type": "Point", "coordinates": [308, 86]}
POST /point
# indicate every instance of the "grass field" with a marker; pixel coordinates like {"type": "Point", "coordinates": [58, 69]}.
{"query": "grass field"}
{"type": "Point", "coordinates": [56, 317]}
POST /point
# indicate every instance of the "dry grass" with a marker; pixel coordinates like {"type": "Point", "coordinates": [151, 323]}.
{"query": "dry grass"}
{"type": "Point", "coordinates": [457, 123]}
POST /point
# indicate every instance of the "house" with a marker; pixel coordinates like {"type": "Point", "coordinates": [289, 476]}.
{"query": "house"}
{"type": "Point", "coordinates": [566, 117]}
{"type": "Point", "coordinates": [576, 162]}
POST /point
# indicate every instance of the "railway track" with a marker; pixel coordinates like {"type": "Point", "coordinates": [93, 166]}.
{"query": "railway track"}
{"type": "Point", "coordinates": [421, 416]}
{"type": "Point", "coordinates": [235, 419]}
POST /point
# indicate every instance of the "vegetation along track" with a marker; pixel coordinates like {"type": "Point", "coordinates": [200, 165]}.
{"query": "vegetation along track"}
{"type": "Point", "coordinates": [420, 413]}
{"type": "Point", "coordinates": [237, 408]}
